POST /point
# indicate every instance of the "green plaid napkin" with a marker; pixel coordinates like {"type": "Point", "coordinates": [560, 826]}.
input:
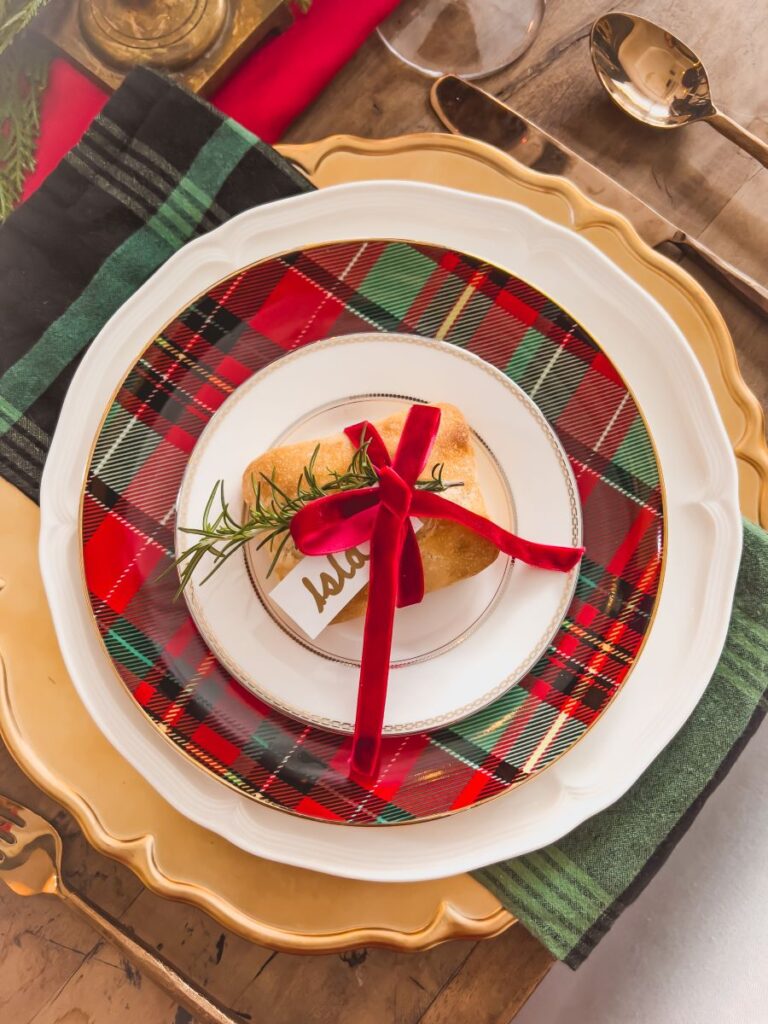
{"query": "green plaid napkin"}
{"type": "Point", "coordinates": [569, 894]}
{"type": "Point", "coordinates": [159, 167]}
{"type": "Point", "coordinates": [156, 168]}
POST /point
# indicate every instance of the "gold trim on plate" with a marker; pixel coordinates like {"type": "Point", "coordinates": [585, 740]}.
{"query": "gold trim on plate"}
{"type": "Point", "coordinates": [537, 649]}
{"type": "Point", "coordinates": [576, 528]}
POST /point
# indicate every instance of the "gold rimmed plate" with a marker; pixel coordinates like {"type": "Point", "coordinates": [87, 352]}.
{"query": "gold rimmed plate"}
{"type": "Point", "coordinates": [635, 338]}
{"type": "Point", "coordinates": [494, 327]}
{"type": "Point", "coordinates": [462, 646]}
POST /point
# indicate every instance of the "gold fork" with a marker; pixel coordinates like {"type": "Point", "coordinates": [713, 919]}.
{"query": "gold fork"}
{"type": "Point", "coordinates": [30, 863]}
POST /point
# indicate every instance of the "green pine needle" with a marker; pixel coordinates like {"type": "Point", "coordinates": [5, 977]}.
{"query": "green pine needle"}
{"type": "Point", "coordinates": [23, 77]}
{"type": "Point", "coordinates": [220, 535]}
{"type": "Point", "coordinates": [15, 15]}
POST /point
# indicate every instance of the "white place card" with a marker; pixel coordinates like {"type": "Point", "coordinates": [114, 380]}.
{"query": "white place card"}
{"type": "Point", "coordinates": [314, 591]}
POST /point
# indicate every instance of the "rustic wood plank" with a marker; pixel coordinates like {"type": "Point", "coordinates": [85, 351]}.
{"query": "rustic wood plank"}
{"type": "Point", "coordinates": [102, 992]}
{"type": "Point", "coordinates": [223, 963]}
{"type": "Point", "coordinates": [740, 231]}
{"type": "Point", "coordinates": [363, 986]}
{"type": "Point", "coordinates": [41, 948]}
{"type": "Point", "coordinates": [494, 982]}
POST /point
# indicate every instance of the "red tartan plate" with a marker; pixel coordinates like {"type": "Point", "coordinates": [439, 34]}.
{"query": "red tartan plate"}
{"type": "Point", "coordinates": [237, 328]}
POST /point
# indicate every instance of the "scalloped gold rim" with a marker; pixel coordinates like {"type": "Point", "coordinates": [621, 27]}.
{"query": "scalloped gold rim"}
{"type": "Point", "coordinates": [583, 215]}
{"type": "Point", "coordinates": [455, 913]}
{"type": "Point", "coordinates": [448, 921]}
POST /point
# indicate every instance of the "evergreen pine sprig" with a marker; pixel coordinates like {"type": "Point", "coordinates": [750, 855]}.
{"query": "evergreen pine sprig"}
{"type": "Point", "coordinates": [221, 534]}
{"type": "Point", "coordinates": [24, 61]}
{"type": "Point", "coordinates": [15, 15]}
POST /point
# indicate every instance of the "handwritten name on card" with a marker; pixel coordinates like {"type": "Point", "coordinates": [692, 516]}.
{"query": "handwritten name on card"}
{"type": "Point", "coordinates": [318, 587]}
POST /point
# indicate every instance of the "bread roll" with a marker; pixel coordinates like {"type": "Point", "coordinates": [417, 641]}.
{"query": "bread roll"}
{"type": "Point", "coordinates": [449, 551]}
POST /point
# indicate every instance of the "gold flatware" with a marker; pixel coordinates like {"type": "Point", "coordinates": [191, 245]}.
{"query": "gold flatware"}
{"type": "Point", "coordinates": [30, 864]}
{"type": "Point", "coordinates": [658, 80]}
{"type": "Point", "coordinates": [466, 109]}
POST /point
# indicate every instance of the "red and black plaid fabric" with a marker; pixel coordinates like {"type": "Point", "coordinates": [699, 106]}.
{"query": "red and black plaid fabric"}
{"type": "Point", "coordinates": [242, 325]}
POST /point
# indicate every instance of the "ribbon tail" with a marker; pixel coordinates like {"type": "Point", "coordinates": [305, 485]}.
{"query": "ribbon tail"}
{"type": "Point", "coordinates": [377, 450]}
{"type": "Point", "coordinates": [411, 584]}
{"type": "Point", "coordinates": [419, 432]}
{"type": "Point", "coordinates": [386, 546]}
{"type": "Point", "coordinates": [543, 556]}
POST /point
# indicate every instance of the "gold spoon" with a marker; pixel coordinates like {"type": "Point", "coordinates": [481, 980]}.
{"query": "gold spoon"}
{"type": "Point", "coordinates": [656, 79]}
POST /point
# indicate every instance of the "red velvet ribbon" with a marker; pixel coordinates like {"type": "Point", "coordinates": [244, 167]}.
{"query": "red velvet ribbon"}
{"type": "Point", "coordinates": [381, 515]}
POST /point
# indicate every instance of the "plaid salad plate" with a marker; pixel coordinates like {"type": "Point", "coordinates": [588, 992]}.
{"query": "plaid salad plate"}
{"type": "Point", "coordinates": [235, 329]}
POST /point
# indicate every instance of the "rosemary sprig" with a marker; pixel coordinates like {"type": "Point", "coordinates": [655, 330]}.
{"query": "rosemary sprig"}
{"type": "Point", "coordinates": [220, 534]}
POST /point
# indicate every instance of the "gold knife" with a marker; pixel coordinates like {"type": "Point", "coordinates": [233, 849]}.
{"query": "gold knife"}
{"type": "Point", "coordinates": [466, 109]}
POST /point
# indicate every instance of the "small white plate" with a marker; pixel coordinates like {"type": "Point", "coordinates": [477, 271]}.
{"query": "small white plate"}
{"type": "Point", "coordinates": [462, 646]}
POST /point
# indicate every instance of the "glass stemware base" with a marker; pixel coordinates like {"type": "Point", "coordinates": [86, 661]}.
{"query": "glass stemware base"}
{"type": "Point", "coordinates": [470, 38]}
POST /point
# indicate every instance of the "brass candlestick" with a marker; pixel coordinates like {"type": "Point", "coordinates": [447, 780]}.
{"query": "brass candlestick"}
{"type": "Point", "coordinates": [197, 42]}
{"type": "Point", "coordinates": [162, 33]}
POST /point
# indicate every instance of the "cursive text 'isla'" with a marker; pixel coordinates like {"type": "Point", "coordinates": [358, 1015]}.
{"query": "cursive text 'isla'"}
{"type": "Point", "coordinates": [331, 584]}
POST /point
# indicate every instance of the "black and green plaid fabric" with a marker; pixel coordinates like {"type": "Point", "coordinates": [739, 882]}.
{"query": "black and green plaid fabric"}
{"type": "Point", "coordinates": [155, 169]}
{"type": "Point", "coordinates": [159, 167]}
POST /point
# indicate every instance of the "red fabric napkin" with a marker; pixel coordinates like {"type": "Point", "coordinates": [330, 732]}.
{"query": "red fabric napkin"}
{"type": "Point", "coordinates": [267, 91]}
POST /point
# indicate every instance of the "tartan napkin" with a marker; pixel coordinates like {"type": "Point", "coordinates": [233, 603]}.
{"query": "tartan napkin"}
{"type": "Point", "coordinates": [569, 894]}
{"type": "Point", "coordinates": [159, 167]}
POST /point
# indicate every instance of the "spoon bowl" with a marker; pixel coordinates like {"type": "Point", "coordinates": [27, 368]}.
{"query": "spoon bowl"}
{"type": "Point", "coordinates": [657, 79]}
{"type": "Point", "coordinates": [648, 72]}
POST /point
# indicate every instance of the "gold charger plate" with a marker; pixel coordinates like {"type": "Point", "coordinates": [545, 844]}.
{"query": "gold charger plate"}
{"type": "Point", "coordinates": [54, 740]}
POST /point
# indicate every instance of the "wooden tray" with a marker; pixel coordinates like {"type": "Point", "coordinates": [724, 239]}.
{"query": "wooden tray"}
{"type": "Point", "coordinates": [53, 739]}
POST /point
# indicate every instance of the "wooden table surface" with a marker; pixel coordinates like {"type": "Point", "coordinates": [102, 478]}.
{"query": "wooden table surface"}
{"type": "Point", "coordinates": [53, 968]}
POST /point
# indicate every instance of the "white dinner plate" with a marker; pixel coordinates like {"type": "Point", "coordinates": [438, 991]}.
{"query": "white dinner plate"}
{"type": "Point", "coordinates": [450, 655]}
{"type": "Point", "coordinates": [703, 543]}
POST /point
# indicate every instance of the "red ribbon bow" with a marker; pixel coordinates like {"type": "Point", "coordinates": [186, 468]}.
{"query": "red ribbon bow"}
{"type": "Point", "coordinates": [381, 515]}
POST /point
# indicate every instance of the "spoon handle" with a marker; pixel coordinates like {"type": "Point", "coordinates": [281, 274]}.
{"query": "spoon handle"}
{"type": "Point", "coordinates": [152, 964]}
{"type": "Point", "coordinates": [746, 140]}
